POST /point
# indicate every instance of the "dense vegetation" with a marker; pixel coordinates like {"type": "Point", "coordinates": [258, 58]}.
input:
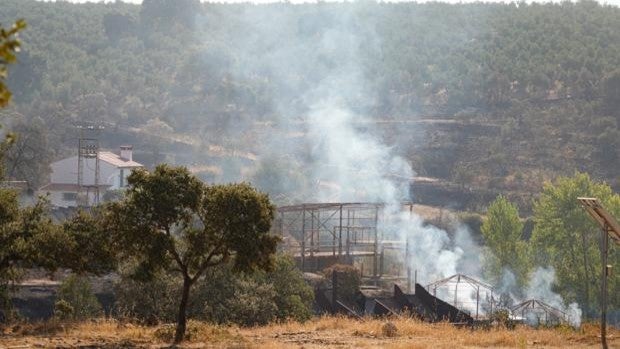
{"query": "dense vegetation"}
{"type": "Point", "coordinates": [546, 75]}
{"type": "Point", "coordinates": [564, 237]}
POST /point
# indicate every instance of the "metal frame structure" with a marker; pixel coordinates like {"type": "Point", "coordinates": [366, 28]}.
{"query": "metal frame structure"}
{"type": "Point", "coordinates": [452, 283]}
{"type": "Point", "coordinates": [536, 306]}
{"type": "Point", "coordinates": [88, 148]}
{"type": "Point", "coordinates": [319, 234]}
{"type": "Point", "coordinates": [609, 229]}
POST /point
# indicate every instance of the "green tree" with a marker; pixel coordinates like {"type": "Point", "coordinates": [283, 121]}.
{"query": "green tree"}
{"type": "Point", "coordinates": [567, 239]}
{"type": "Point", "coordinates": [29, 238]}
{"type": "Point", "coordinates": [9, 46]}
{"type": "Point", "coordinates": [89, 247]}
{"type": "Point", "coordinates": [502, 230]}
{"type": "Point", "coordinates": [169, 220]}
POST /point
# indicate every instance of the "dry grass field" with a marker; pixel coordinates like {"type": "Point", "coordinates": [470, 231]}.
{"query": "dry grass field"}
{"type": "Point", "coordinates": [326, 332]}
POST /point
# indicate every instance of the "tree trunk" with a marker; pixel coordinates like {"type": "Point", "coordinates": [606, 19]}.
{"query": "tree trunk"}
{"type": "Point", "coordinates": [182, 316]}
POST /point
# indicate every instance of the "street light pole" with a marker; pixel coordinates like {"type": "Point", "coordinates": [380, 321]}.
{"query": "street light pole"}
{"type": "Point", "coordinates": [609, 228]}
{"type": "Point", "coordinates": [604, 257]}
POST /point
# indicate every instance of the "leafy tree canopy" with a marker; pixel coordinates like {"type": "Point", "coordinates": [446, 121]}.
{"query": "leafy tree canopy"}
{"type": "Point", "coordinates": [9, 46]}
{"type": "Point", "coordinates": [566, 238]}
{"type": "Point", "coordinates": [169, 220]}
{"type": "Point", "coordinates": [502, 231]}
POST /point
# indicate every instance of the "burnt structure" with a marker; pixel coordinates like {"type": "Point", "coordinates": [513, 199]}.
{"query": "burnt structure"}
{"type": "Point", "coordinates": [536, 312]}
{"type": "Point", "coordinates": [466, 292]}
{"type": "Point", "coordinates": [321, 234]}
{"type": "Point", "coordinates": [421, 304]}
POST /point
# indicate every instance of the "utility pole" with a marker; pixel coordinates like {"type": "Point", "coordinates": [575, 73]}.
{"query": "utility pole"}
{"type": "Point", "coordinates": [609, 228]}
{"type": "Point", "coordinates": [604, 275]}
{"type": "Point", "coordinates": [88, 148]}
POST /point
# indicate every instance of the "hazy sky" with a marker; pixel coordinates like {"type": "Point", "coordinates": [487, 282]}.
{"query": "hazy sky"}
{"type": "Point", "coordinates": [611, 2]}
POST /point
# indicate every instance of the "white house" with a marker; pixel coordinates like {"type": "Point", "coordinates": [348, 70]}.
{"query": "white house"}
{"type": "Point", "coordinates": [113, 171]}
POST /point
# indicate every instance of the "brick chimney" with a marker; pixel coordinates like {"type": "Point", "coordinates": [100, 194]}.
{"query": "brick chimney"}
{"type": "Point", "coordinates": [127, 152]}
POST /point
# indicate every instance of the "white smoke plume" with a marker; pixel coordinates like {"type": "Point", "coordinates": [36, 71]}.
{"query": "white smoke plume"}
{"type": "Point", "coordinates": [540, 287]}
{"type": "Point", "coordinates": [320, 139]}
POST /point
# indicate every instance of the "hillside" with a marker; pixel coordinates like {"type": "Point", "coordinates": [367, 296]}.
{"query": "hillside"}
{"type": "Point", "coordinates": [495, 97]}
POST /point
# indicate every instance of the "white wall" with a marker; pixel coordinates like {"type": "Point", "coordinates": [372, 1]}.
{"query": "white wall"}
{"type": "Point", "coordinates": [57, 198]}
{"type": "Point", "coordinates": [66, 171]}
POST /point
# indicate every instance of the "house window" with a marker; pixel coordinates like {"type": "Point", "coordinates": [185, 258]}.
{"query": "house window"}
{"type": "Point", "coordinates": [69, 196]}
{"type": "Point", "coordinates": [122, 184]}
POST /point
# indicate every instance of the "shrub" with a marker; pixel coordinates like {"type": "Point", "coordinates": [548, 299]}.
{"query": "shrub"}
{"type": "Point", "coordinates": [221, 297]}
{"type": "Point", "coordinates": [7, 311]}
{"type": "Point", "coordinates": [63, 310]}
{"type": "Point", "coordinates": [257, 298]}
{"type": "Point", "coordinates": [389, 329]}
{"type": "Point", "coordinates": [76, 300]}
{"type": "Point", "coordinates": [149, 302]}
{"type": "Point", "coordinates": [349, 280]}
{"type": "Point", "coordinates": [293, 296]}
{"type": "Point", "coordinates": [253, 303]}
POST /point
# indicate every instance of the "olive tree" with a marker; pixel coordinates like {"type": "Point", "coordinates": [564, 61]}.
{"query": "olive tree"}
{"type": "Point", "coordinates": [170, 221]}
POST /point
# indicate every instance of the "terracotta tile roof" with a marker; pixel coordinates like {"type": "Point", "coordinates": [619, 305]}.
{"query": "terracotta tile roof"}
{"type": "Point", "coordinates": [116, 160]}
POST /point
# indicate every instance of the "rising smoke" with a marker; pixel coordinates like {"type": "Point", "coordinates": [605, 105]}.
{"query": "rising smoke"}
{"type": "Point", "coordinates": [540, 287]}
{"type": "Point", "coordinates": [318, 136]}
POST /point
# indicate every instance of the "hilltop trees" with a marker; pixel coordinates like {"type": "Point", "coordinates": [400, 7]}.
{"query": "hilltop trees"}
{"type": "Point", "coordinates": [165, 13]}
{"type": "Point", "coordinates": [170, 221]}
{"type": "Point", "coordinates": [212, 70]}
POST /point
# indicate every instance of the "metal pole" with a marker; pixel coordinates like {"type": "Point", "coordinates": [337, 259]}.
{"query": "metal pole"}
{"type": "Point", "coordinates": [318, 239]}
{"type": "Point", "coordinates": [334, 291]}
{"type": "Point", "coordinates": [477, 300]}
{"type": "Point", "coordinates": [334, 243]}
{"type": "Point", "coordinates": [340, 234]}
{"type": "Point", "coordinates": [311, 233]}
{"type": "Point", "coordinates": [348, 233]}
{"type": "Point", "coordinates": [96, 200]}
{"type": "Point", "coordinates": [604, 252]}
{"type": "Point", "coordinates": [456, 290]}
{"type": "Point", "coordinates": [381, 260]}
{"type": "Point", "coordinates": [376, 252]}
{"type": "Point", "coordinates": [80, 173]}
{"type": "Point", "coordinates": [303, 239]}
{"type": "Point", "coordinates": [408, 279]}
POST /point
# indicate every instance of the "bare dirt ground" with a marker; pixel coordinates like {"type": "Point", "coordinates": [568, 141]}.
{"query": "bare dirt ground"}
{"type": "Point", "coordinates": [327, 332]}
